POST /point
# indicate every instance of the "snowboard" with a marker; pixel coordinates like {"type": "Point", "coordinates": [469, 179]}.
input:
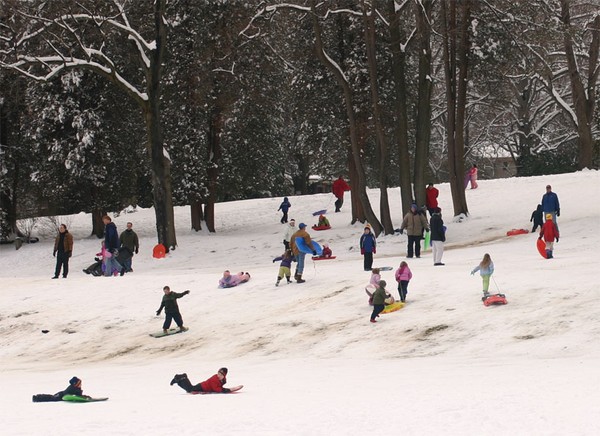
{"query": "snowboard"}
{"type": "Point", "coordinates": [494, 299]}
{"type": "Point", "coordinates": [541, 247]}
{"type": "Point", "coordinates": [384, 268]}
{"type": "Point", "coordinates": [322, 258]}
{"type": "Point", "coordinates": [233, 389]}
{"type": "Point", "coordinates": [78, 399]}
{"type": "Point", "coordinates": [169, 332]}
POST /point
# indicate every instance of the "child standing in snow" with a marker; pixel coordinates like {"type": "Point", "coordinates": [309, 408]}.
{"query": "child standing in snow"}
{"type": "Point", "coordinates": [403, 276]}
{"type": "Point", "coordinates": [486, 269]}
{"type": "Point", "coordinates": [379, 297]}
{"type": "Point", "coordinates": [368, 246]}
{"type": "Point", "coordinates": [284, 207]}
{"type": "Point", "coordinates": [169, 303]}
{"type": "Point", "coordinates": [549, 232]}
{"type": "Point", "coordinates": [537, 216]}
{"type": "Point", "coordinates": [284, 267]}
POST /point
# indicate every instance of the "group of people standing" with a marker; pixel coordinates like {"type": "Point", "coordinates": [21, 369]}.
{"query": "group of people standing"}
{"type": "Point", "coordinates": [112, 245]}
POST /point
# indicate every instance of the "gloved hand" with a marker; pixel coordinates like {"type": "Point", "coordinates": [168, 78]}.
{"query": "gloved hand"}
{"type": "Point", "coordinates": [314, 252]}
{"type": "Point", "coordinates": [54, 253]}
{"type": "Point", "coordinates": [558, 212]}
{"type": "Point", "coordinates": [374, 250]}
{"type": "Point", "coordinates": [540, 238]}
{"type": "Point", "coordinates": [472, 272]}
{"type": "Point", "coordinates": [557, 240]}
{"type": "Point", "coordinates": [186, 292]}
{"type": "Point", "coordinates": [426, 230]}
{"type": "Point", "coordinates": [362, 251]}
{"type": "Point", "coordinates": [137, 250]}
{"type": "Point", "coordinates": [157, 312]}
{"type": "Point", "coordinates": [401, 231]}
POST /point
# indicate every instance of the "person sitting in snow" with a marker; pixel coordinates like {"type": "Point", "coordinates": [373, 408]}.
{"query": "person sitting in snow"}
{"type": "Point", "coordinates": [214, 384]}
{"type": "Point", "coordinates": [74, 388]}
{"type": "Point", "coordinates": [326, 253]}
{"type": "Point", "coordinates": [323, 222]}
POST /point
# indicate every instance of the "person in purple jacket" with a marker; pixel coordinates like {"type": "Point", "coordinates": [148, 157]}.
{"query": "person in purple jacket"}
{"type": "Point", "coordinates": [284, 267]}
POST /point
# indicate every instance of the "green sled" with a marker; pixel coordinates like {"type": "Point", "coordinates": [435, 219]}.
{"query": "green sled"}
{"type": "Point", "coordinates": [78, 399]}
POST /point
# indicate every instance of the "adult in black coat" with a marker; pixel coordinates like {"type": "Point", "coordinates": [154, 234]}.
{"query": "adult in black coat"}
{"type": "Point", "coordinates": [438, 236]}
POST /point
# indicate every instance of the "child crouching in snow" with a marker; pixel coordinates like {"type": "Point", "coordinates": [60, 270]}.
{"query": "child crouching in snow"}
{"type": "Point", "coordinates": [284, 267]}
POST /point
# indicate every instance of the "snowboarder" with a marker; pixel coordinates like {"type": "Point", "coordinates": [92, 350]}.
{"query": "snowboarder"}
{"type": "Point", "coordinates": [74, 388]}
{"type": "Point", "coordinates": [284, 267]}
{"type": "Point", "coordinates": [368, 247]}
{"type": "Point", "coordinates": [537, 216]}
{"type": "Point", "coordinates": [169, 303]}
{"type": "Point", "coordinates": [213, 384]}
{"type": "Point", "coordinates": [486, 269]}
{"type": "Point", "coordinates": [414, 223]}
{"type": "Point", "coordinates": [379, 297]}
{"type": "Point", "coordinates": [403, 275]}
{"type": "Point", "coordinates": [284, 207]}
{"type": "Point", "coordinates": [63, 248]}
{"type": "Point", "coordinates": [549, 232]}
{"type": "Point", "coordinates": [338, 188]}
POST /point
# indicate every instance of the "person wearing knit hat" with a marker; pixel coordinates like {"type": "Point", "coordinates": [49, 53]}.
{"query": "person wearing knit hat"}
{"type": "Point", "coordinates": [74, 388]}
{"type": "Point", "coordinates": [213, 384]}
{"type": "Point", "coordinates": [549, 232]}
{"type": "Point", "coordinates": [379, 297]}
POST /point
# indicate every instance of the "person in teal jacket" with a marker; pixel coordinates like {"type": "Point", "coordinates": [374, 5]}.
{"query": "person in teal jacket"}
{"type": "Point", "coordinates": [486, 269]}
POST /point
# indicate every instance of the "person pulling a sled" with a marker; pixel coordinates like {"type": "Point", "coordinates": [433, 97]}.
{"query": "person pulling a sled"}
{"type": "Point", "coordinates": [486, 269]}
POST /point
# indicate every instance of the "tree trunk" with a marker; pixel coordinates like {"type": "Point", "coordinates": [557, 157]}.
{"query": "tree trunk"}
{"type": "Point", "coordinates": [583, 99]}
{"type": "Point", "coordinates": [423, 122]}
{"type": "Point", "coordinates": [97, 223]}
{"type": "Point", "coordinates": [400, 112]}
{"type": "Point", "coordinates": [161, 165]}
{"type": "Point", "coordinates": [455, 50]}
{"type": "Point", "coordinates": [382, 149]}
{"type": "Point", "coordinates": [361, 184]}
{"type": "Point", "coordinates": [196, 215]}
{"type": "Point", "coordinates": [358, 213]}
{"type": "Point", "coordinates": [214, 159]}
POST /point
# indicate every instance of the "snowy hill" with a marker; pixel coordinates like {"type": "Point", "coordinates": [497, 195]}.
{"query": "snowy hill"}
{"type": "Point", "coordinates": [310, 360]}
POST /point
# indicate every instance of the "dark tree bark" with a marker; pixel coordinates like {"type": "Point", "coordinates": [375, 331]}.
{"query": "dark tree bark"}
{"type": "Point", "coordinates": [196, 215]}
{"type": "Point", "coordinates": [214, 158]}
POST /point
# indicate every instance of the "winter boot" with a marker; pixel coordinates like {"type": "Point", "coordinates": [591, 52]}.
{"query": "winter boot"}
{"type": "Point", "coordinates": [278, 280]}
{"type": "Point", "coordinates": [548, 254]}
{"type": "Point", "coordinates": [299, 279]}
{"type": "Point", "coordinates": [183, 329]}
{"type": "Point", "coordinates": [288, 279]}
{"type": "Point", "coordinates": [166, 331]}
{"type": "Point", "coordinates": [177, 378]}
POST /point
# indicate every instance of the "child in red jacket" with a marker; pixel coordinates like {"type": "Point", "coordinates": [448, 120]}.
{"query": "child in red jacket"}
{"type": "Point", "coordinates": [213, 384]}
{"type": "Point", "coordinates": [549, 232]}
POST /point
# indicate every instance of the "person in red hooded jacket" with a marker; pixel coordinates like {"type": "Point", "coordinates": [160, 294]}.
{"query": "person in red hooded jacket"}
{"type": "Point", "coordinates": [431, 202]}
{"type": "Point", "coordinates": [549, 232]}
{"type": "Point", "coordinates": [213, 384]}
{"type": "Point", "coordinates": [338, 188]}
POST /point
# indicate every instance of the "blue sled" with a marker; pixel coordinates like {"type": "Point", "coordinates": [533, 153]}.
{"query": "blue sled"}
{"type": "Point", "coordinates": [306, 249]}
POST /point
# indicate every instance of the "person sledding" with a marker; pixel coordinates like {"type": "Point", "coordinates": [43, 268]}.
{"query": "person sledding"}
{"type": "Point", "coordinates": [214, 384]}
{"type": "Point", "coordinates": [74, 388]}
{"type": "Point", "coordinates": [325, 254]}
{"type": "Point", "coordinates": [231, 280]}
{"type": "Point", "coordinates": [169, 303]}
{"type": "Point", "coordinates": [323, 223]}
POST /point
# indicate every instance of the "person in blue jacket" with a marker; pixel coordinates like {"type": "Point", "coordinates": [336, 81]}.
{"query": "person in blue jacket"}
{"type": "Point", "coordinates": [111, 244]}
{"type": "Point", "coordinates": [368, 247]}
{"type": "Point", "coordinates": [284, 207]}
{"type": "Point", "coordinates": [550, 204]}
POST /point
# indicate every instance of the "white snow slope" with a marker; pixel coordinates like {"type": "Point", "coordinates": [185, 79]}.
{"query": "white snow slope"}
{"type": "Point", "coordinates": [311, 362]}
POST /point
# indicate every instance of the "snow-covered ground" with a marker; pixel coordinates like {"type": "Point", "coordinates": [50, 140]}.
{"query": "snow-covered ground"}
{"type": "Point", "coordinates": [311, 362]}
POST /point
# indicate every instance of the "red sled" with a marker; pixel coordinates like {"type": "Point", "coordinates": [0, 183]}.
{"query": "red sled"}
{"type": "Point", "coordinates": [514, 232]}
{"type": "Point", "coordinates": [541, 247]}
{"type": "Point", "coordinates": [495, 299]}
{"type": "Point", "coordinates": [322, 258]}
{"type": "Point", "coordinates": [321, 227]}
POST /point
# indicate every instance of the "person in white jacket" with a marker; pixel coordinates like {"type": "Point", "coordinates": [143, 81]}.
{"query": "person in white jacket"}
{"type": "Point", "coordinates": [290, 229]}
